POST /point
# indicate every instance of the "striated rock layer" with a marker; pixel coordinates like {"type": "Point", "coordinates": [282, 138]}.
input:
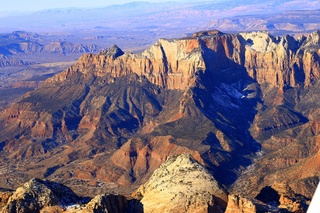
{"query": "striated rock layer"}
{"type": "Point", "coordinates": [244, 105]}
{"type": "Point", "coordinates": [281, 62]}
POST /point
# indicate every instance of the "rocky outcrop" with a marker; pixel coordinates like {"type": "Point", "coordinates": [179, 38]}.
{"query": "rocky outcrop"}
{"type": "Point", "coordinates": [47, 196]}
{"type": "Point", "coordinates": [182, 185]}
{"type": "Point", "coordinates": [37, 194]}
{"type": "Point", "coordinates": [277, 198]}
{"type": "Point", "coordinates": [107, 203]}
{"type": "Point", "coordinates": [237, 204]}
{"type": "Point", "coordinates": [282, 197]}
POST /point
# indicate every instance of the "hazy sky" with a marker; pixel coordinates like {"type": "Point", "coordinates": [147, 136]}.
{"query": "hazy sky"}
{"type": "Point", "coordinates": [34, 5]}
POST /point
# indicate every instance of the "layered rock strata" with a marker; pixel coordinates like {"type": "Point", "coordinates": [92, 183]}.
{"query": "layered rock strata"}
{"type": "Point", "coordinates": [280, 61]}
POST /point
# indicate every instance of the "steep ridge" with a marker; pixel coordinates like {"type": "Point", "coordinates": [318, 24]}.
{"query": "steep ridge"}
{"type": "Point", "coordinates": [108, 121]}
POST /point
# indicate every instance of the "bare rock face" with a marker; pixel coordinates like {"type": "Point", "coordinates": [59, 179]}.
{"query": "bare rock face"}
{"type": "Point", "coordinates": [182, 185]}
{"type": "Point", "coordinates": [282, 198]}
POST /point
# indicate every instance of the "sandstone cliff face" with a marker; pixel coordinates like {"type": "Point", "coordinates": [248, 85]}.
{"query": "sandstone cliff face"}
{"type": "Point", "coordinates": [281, 62]}
{"type": "Point", "coordinates": [168, 63]}
{"type": "Point", "coordinates": [182, 185]}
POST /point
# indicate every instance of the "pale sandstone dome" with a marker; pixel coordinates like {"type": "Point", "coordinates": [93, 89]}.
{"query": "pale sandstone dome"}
{"type": "Point", "coordinates": [181, 184]}
{"type": "Point", "coordinates": [260, 41]}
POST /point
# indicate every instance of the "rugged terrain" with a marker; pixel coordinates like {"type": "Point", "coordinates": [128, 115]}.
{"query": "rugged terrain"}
{"type": "Point", "coordinates": [243, 105]}
{"type": "Point", "coordinates": [180, 184]}
{"type": "Point", "coordinates": [62, 35]}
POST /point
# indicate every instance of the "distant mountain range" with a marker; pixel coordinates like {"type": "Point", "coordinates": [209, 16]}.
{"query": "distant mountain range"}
{"type": "Point", "coordinates": [135, 26]}
{"type": "Point", "coordinates": [289, 22]}
{"type": "Point", "coordinates": [16, 46]}
{"type": "Point", "coordinates": [170, 19]}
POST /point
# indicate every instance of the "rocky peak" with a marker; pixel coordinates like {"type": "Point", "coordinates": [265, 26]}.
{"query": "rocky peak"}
{"type": "Point", "coordinates": [107, 203]}
{"type": "Point", "coordinates": [260, 41]}
{"type": "Point", "coordinates": [313, 40]}
{"type": "Point", "coordinates": [182, 183]}
{"type": "Point", "coordinates": [206, 33]}
{"type": "Point", "coordinates": [114, 51]}
{"type": "Point", "coordinates": [37, 194]}
{"type": "Point", "coordinates": [238, 204]}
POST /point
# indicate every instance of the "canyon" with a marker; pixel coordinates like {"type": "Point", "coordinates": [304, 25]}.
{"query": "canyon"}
{"type": "Point", "coordinates": [242, 107]}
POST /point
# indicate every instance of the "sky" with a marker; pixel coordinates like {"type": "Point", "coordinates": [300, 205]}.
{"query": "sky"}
{"type": "Point", "coordinates": [35, 5]}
